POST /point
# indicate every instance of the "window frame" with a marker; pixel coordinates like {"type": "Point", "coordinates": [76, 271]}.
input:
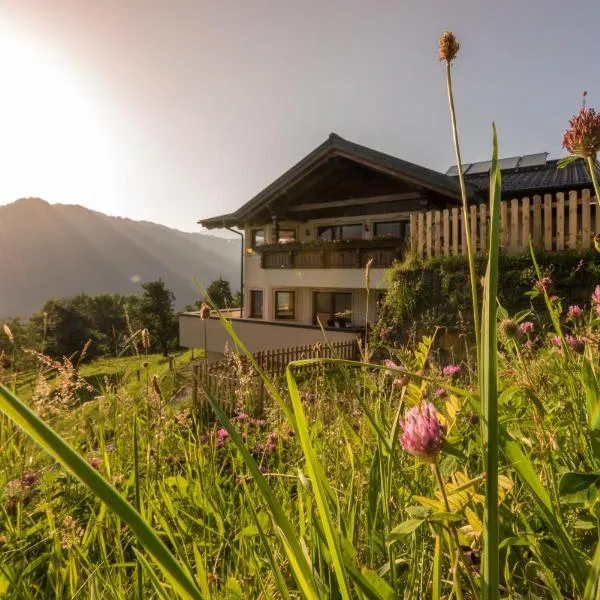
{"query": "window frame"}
{"type": "Point", "coordinates": [290, 229]}
{"type": "Point", "coordinates": [402, 222]}
{"type": "Point", "coordinates": [252, 314]}
{"type": "Point", "coordinates": [276, 315]}
{"type": "Point", "coordinates": [253, 244]}
{"type": "Point", "coordinates": [337, 232]}
{"type": "Point", "coordinates": [332, 311]}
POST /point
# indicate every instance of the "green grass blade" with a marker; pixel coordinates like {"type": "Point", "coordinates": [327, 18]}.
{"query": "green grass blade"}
{"type": "Point", "coordinates": [488, 378]}
{"type": "Point", "coordinates": [319, 487]}
{"type": "Point", "coordinates": [303, 571]}
{"type": "Point", "coordinates": [592, 586]}
{"type": "Point", "coordinates": [54, 445]}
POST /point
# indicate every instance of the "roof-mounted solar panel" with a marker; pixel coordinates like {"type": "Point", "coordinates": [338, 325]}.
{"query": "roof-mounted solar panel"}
{"type": "Point", "coordinates": [533, 160]}
{"type": "Point", "coordinates": [453, 170]}
{"type": "Point", "coordinates": [480, 167]}
{"type": "Point", "coordinates": [509, 163]}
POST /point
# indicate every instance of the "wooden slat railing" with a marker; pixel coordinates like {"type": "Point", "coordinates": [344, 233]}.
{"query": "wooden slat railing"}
{"type": "Point", "coordinates": [553, 222]}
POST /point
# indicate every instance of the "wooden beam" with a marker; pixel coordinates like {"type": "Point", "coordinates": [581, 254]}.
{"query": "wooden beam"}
{"type": "Point", "coordinates": [355, 202]}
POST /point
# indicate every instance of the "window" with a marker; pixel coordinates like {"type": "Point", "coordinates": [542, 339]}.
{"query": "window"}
{"type": "Point", "coordinates": [256, 304]}
{"type": "Point", "coordinates": [285, 305]}
{"type": "Point", "coordinates": [286, 236]}
{"type": "Point", "coordinates": [333, 309]}
{"type": "Point", "coordinates": [340, 232]}
{"type": "Point", "coordinates": [258, 237]}
{"type": "Point", "coordinates": [392, 229]}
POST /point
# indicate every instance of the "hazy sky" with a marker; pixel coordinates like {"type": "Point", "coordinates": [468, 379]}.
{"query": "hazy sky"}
{"type": "Point", "coordinates": [173, 110]}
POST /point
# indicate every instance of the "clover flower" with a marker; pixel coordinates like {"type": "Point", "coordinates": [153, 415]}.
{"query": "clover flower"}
{"type": "Point", "coordinates": [582, 138]}
{"type": "Point", "coordinates": [543, 284]}
{"type": "Point", "coordinates": [441, 392]}
{"type": "Point", "coordinates": [450, 370]}
{"type": "Point", "coordinates": [526, 327]}
{"type": "Point", "coordinates": [574, 311]}
{"type": "Point", "coordinates": [510, 328]}
{"type": "Point", "coordinates": [576, 344]}
{"type": "Point", "coordinates": [556, 341]}
{"type": "Point", "coordinates": [596, 296]}
{"type": "Point", "coordinates": [423, 433]}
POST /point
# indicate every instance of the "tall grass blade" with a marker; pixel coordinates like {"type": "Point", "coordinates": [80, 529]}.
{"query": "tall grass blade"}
{"type": "Point", "coordinates": [54, 445]}
{"type": "Point", "coordinates": [488, 378]}
{"type": "Point", "coordinates": [319, 487]}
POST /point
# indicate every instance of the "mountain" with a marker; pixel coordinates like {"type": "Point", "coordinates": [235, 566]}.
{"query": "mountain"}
{"type": "Point", "coordinates": [49, 251]}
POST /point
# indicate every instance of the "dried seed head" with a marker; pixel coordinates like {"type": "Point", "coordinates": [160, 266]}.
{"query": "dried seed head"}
{"type": "Point", "coordinates": [8, 333]}
{"type": "Point", "coordinates": [204, 311]}
{"type": "Point", "coordinates": [449, 46]}
{"type": "Point", "coordinates": [145, 339]}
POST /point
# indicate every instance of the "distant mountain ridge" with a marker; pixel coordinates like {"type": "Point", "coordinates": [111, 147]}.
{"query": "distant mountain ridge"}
{"type": "Point", "coordinates": [58, 250]}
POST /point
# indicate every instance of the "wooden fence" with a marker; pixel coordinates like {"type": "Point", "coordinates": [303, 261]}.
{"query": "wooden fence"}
{"type": "Point", "coordinates": [553, 222]}
{"type": "Point", "coordinates": [235, 383]}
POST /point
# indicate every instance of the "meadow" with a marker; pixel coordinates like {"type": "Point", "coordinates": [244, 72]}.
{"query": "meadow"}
{"type": "Point", "coordinates": [400, 475]}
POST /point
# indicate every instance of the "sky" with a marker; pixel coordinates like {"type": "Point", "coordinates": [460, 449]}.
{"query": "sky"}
{"type": "Point", "coordinates": [175, 110]}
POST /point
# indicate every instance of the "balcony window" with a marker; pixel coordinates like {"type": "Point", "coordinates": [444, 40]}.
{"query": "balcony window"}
{"type": "Point", "coordinates": [392, 229]}
{"type": "Point", "coordinates": [286, 236]}
{"type": "Point", "coordinates": [258, 238]}
{"type": "Point", "coordinates": [256, 304]}
{"type": "Point", "coordinates": [333, 309]}
{"type": "Point", "coordinates": [340, 232]}
{"type": "Point", "coordinates": [285, 305]}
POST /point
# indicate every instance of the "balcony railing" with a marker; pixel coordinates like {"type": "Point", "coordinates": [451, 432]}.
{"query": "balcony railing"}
{"type": "Point", "coordinates": [331, 255]}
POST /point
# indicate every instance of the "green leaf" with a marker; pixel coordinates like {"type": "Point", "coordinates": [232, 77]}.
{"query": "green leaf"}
{"type": "Point", "coordinates": [566, 161]}
{"type": "Point", "coordinates": [234, 589]}
{"type": "Point", "coordinates": [573, 483]}
{"type": "Point", "coordinates": [405, 528]}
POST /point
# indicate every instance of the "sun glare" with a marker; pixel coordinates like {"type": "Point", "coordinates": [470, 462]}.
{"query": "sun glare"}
{"type": "Point", "coordinates": [51, 127]}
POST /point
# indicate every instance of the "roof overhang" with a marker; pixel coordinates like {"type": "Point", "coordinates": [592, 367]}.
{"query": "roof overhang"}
{"type": "Point", "coordinates": [329, 163]}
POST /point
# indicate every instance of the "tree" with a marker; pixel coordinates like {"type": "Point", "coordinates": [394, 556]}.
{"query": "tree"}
{"type": "Point", "coordinates": [155, 313]}
{"type": "Point", "coordinates": [219, 291]}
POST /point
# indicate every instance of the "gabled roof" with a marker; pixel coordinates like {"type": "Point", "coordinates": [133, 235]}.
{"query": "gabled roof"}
{"type": "Point", "coordinates": [338, 146]}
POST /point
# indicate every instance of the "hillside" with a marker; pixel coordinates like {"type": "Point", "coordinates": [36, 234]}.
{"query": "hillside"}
{"type": "Point", "coordinates": [59, 250]}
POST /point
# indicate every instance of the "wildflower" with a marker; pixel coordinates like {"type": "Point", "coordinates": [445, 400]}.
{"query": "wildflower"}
{"type": "Point", "coordinates": [263, 468]}
{"type": "Point", "coordinates": [390, 364]}
{"type": "Point", "coordinates": [510, 328]}
{"type": "Point", "coordinates": [259, 422]}
{"type": "Point", "coordinates": [449, 46]}
{"type": "Point", "coordinates": [450, 370]}
{"type": "Point", "coordinates": [597, 309]}
{"type": "Point", "coordinates": [556, 341]}
{"type": "Point", "coordinates": [204, 311]}
{"type": "Point", "coordinates": [8, 333]}
{"type": "Point", "coordinates": [543, 284]}
{"type": "Point", "coordinates": [222, 433]}
{"type": "Point", "coordinates": [441, 392]}
{"type": "Point", "coordinates": [29, 479]}
{"type": "Point", "coordinates": [384, 333]}
{"type": "Point", "coordinates": [423, 433]}
{"type": "Point", "coordinates": [576, 344]}
{"type": "Point", "coordinates": [95, 462]}
{"type": "Point", "coordinates": [401, 381]}
{"type": "Point", "coordinates": [596, 296]}
{"type": "Point", "coordinates": [583, 136]}
{"type": "Point", "coordinates": [242, 417]}
{"type": "Point", "coordinates": [574, 311]}
{"type": "Point", "coordinates": [273, 435]}
{"type": "Point", "coordinates": [526, 327]}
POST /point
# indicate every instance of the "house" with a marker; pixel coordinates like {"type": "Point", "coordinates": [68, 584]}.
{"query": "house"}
{"type": "Point", "coordinates": [309, 236]}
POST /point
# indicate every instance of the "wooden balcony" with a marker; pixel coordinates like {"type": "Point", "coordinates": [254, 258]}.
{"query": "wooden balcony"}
{"type": "Point", "coordinates": [331, 255]}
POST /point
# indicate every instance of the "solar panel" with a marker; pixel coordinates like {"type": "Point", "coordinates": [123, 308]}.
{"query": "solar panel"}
{"type": "Point", "coordinates": [533, 160]}
{"type": "Point", "coordinates": [480, 167]}
{"type": "Point", "coordinates": [508, 163]}
{"type": "Point", "coordinates": [453, 170]}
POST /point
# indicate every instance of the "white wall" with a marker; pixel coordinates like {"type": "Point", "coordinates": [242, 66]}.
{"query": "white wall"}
{"type": "Point", "coordinates": [256, 335]}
